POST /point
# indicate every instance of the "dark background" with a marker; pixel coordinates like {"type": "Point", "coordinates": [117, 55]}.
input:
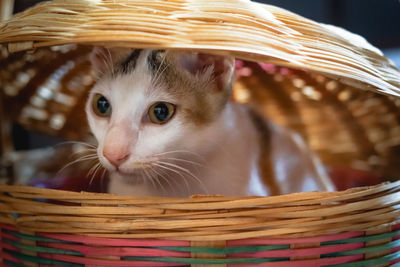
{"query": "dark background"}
{"type": "Point", "coordinates": [377, 20]}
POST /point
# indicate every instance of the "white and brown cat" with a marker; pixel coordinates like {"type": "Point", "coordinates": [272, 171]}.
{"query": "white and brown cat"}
{"type": "Point", "coordinates": [165, 126]}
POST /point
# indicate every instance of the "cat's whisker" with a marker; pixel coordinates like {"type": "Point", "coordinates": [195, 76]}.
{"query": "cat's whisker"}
{"type": "Point", "coordinates": [182, 152]}
{"type": "Point", "coordinates": [88, 151]}
{"type": "Point", "coordinates": [152, 181]}
{"type": "Point", "coordinates": [75, 143]}
{"type": "Point", "coordinates": [97, 167]}
{"type": "Point", "coordinates": [150, 176]}
{"type": "Point", "coordinates": [81, 159]}
{"type": "Point", "coordinates": [91, 170]}
{"type": "Point", "coordinates": [93, 155]}
{"type": "Point", "coordinates": [158, 74]}
{"type": "Point", "coordinates": [158, 77]}
{"type": "Point", "coordinates": [166, 178]}
{"type": "Point", "coordinates": [83, 154]}
{"type": "Point", "coordinates": [188, 172]}
{"type": "Point", "coordinates": [185, 161]}
{"type": "Point", "coordinates": [177, 172]}
{"type": "Point", "coordinates": [103, 175]}
{"type": "Point", "coordinates": [156, 178]}
{"type": "Point", "coordinates": [162, 177]}
{"type": "Point", "coordinates": [110, 61]}
{"type": "Point", "coordinates": [145, 175]}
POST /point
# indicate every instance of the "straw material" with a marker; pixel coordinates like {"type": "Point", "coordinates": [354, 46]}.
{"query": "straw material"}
{"type": "Point", "coordinates": [357, 227]}
{"type": "Point", "coordinates": [242, 28]}
{"type": "Point", "coordinates": [200, 218]}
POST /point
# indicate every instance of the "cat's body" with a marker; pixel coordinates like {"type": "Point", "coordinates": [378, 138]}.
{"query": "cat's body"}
{"type": "Point", "coordinates": [165, 127]}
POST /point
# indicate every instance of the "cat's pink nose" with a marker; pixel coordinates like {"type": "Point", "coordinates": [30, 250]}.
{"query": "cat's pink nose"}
{"type": "Point", "coordinates": [116, 158]}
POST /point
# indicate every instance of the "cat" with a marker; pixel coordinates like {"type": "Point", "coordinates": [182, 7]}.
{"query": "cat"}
{"type": "Point", "coordinates": [165, 126]}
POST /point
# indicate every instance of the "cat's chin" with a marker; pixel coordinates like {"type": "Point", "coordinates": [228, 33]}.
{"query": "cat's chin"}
{"type": "Point", "coordinates": [130, 177]}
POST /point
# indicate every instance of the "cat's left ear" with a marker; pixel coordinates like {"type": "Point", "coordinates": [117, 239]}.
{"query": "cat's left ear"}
{"type": "Point", "coordinates": [104, 59]}
{"type": "Point", "coordinates": [219, 69]}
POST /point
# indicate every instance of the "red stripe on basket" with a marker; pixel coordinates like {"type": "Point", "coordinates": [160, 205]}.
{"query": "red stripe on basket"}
{"type": "Point", "coordinates": [305, 263]}
{"type": "Point", "coordinates": [285, 241]}
{"type": "Point", "coordinates": [398, 248]}
{"type": "Point", "coordinates": [116, 242]}
{"type": "Point", "coordinates": [106, 263]}
{"type": "Point", "coordinates": [300, 252]}
{"type": "Point", "coordinates": [117, 251]}
{"type": "Point", "coordinates": [5, 256]}
{"type": "Point", "coordinates": [8, 236]}
{"type": "Point", "coordinates": [9, 247]}
{"type": "Point", "coordinates": [8, 227]}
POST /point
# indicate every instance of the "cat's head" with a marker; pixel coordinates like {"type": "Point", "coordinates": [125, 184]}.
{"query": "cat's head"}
{"type": "Point", "coordinates": [149, 104]}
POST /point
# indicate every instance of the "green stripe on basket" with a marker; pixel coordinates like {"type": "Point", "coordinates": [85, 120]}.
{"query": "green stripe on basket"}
{"type": "Point", "coordinates": [363, 238]}
{"type": "Point", "coordinates": [241, 249]}
{"type": "Point", "coordinates": [366, 250]}
{"type": "Point", "coordinates": [225, 250]}
{"type": "Point", "coordinates": [381, 260]}
{"type": "Point", "coordinates": [204, 261]}
{"type": "Point", "coordinates": [34, 248]}
{"type": "Point", "coordinates": [34, 259]}
{"type": "Point", "coordinates": [371, 262]}
{"type": "Point", "coordinates": [35, 238]}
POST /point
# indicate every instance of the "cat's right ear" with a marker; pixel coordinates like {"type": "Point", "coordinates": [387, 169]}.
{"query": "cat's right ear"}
{"type": "Point", "coordinates": [102, 59]}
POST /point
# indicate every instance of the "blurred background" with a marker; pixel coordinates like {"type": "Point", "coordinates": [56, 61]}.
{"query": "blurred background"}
{"type": "Point", "coordinates": [376, 20]}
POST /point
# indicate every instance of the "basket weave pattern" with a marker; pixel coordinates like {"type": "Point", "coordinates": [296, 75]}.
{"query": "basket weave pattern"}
{"type": "Point", "coordinates": [151, 231]}
{"type": "Point", "coordinates": [357, 227]}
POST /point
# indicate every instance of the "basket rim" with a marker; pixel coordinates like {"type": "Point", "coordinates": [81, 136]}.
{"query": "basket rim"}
{"type": "Point", "coordinates": [201, 218]}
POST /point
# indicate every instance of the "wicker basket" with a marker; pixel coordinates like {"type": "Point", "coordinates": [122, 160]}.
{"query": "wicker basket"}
{"type": "Point", "coordinates": [309, 79]}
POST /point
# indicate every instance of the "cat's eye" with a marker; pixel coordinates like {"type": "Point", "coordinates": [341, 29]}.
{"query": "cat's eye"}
{"type": "Point", "coordinates": [101, 106]}
{"type": "Point", "coordinates": [161, 112]}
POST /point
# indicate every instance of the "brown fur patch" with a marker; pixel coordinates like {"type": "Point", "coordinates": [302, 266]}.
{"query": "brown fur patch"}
{"type": "Point", "coordinates": [198, 99]}
{"type": "Point", "coordinates": [265, 160]}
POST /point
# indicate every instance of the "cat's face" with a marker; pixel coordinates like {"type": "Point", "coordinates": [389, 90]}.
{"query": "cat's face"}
{"type": "Point", "coordinates": [149, 106]}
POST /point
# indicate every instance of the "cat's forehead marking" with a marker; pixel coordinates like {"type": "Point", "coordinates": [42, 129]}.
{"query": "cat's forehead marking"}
{"type": "Point", "coordinates": [158, 75]}
{"type": "Point", "coordinates": [129, 63]}
{"type": "Point", "coordinates": [155, 59]}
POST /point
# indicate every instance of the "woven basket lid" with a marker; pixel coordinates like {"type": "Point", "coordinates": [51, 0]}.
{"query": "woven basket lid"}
{"type": "Point", "coordinates": [245, 29]}
{"type": "Point", "coordinates": [317, 96]}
